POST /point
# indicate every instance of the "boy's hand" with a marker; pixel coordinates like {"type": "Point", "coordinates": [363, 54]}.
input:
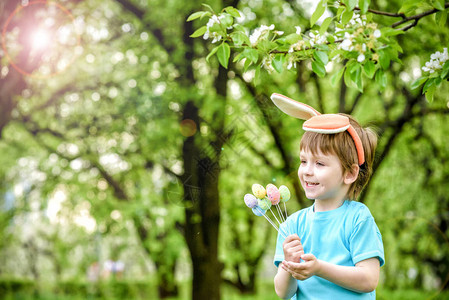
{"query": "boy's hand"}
{"type": "Point", "coordinates": [293, 248]}
{"type": "Point", "coordinates": [301, 271]}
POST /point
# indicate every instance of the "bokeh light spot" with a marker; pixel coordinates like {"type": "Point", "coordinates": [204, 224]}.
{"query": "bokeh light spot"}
{"type": "Point", "coordinates": [188, 127]}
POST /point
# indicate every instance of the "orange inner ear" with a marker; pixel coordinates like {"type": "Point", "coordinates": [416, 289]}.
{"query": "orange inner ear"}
{"type": "Point", "coordinates": [332, 122]}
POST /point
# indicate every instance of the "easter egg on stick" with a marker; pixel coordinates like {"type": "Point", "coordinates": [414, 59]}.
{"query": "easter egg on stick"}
{"type": "Point", "coordinates": [250, 200]}
{"type": "Point", "coordinates": [264, 203]}
{"type": "Point", "coordinates": [284, 193]}
{"type": "Point", "coordinates": [258, 211]}
{"type": "Point", "coordinates": [273, 194]}
{"type": "Point", "coordinates": [259, 191]}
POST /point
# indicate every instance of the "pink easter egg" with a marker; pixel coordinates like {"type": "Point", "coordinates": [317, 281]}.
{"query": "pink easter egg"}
{"type": "Point", "coordinates": [273, 194]}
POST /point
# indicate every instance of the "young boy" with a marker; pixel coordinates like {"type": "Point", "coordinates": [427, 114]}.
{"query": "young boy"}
{"type": "Point", "coordinates": [334, 248]}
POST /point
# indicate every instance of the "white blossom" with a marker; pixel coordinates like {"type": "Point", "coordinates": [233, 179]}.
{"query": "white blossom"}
{"type": "Point", "coordinates": [316, 39]}
{"type": "Point", "coordinates": [436, 62]}
{"type": "Point", "coordinates": [298, 30]}
{"type": "Point", "coordinates": [259, 32]}
{"type": "Point", "coordinates": [377, 33]}
{"type": "Point", "coordinates": [216, 36]}
{"type": "Point", "coordinates": [291, 64]}
{"type": "Point", "coordinates": [266, 63]}
{"type": "Point", "coordinates": [357, 20]}
{"type": "Point", "coordinates": [347, 43]}
{"type": "Point", "coordinates": [361, 57]}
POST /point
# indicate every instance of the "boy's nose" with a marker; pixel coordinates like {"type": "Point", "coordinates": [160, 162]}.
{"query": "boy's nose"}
{"type": "Point", "coordinates": [307, 169]}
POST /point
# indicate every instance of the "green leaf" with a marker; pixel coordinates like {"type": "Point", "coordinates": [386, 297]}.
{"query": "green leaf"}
{"type": "Point", "coordinates": [320, 9]}
{"type": "Point", "coordinates": [441, 18]}
{"type": "Point", "coordinates": [369, 68]}
{"type": "Point", "coordinates": [381, 79]}
{"type": "Point", "coordinates": [208, 6]}
{"type": "Point", "coordinates": [388, 31]}
{"type": "Point", "coordinates": [322, 47]}
{"type": "Point", "coordinates": [246, 64]}
{"type": "Point", "coordinates": [337, 76]}
{"type": "Point", "coordinates": [393, 53]}
{"type": "Point", "coordinates": [278, 63]}
{"type": "Point", "coordinates": [358, 78]}
{"type": "Point", "coordinates": [409, 6]}
{"type": "Point", "coordinates": [251, 54]}
{"type": "Point", "coordinates": [321, 57]}
{"type": "Point", "coordinates": [223, 54]}
{"type": "Point", "coordinates": [351, 4]}
{"type": "Point", "coordinates": [347, 79]}
{"type": "Point", "coordinates": [211, 53]}
{"type": "Point", "coordinates": [239, 27]}
{"type": "Point", "coordinates": [318, 68]}
{"type": "Point", "coordinates": [363, 5]}
{"type": "Point", "coordinates": [438, 4]}
{"type": "Point", "coordinates": [418, 83]}
{"type": "Point", "coordinates": [257, 76]}
{"type": "Point", "coordinates": [445, 71]}
{"type": "Point", "coordinates": [199, 32]}
{"type": "Point", "coordinates": [195, 15]}
{"type": "Point", "coordinates": [430, 93]}
{"type": "Point", "coordinates": [429, 83]}
{"type": "Point", "coordinates": [351, 66]}
{"type": "Point", "coordinates": [227, 20]}
{"type": "Point", "coordinates": [347, 16]}
{"type": "Point", "coordinates": [384, 59]}
{"type": "Point", "coordinates": [239, 38]}
{"type": "Point", "coordinates": [325, 25]}
{"type": "Point", "coordinates": [340, 10]}
{"type": "Point", "coordinates": [232, 11]}
{"type": "Point", "coordinates": [292, 38]}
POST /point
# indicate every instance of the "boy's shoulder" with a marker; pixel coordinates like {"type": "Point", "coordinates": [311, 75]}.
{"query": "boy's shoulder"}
{"type": "Point", "coordinates": [359, 210]}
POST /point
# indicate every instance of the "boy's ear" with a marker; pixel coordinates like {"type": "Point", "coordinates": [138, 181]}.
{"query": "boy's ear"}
{"type": "Point", "coordinates": [351, 175]}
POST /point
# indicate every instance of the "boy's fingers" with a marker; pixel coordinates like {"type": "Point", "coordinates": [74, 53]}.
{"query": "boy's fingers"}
{"type": "Point", "coordinates": [291, 237]}
{"type": "Point", "coordinates": [294, 265]}
{"type": "Point", "coordinates": [308, 256]}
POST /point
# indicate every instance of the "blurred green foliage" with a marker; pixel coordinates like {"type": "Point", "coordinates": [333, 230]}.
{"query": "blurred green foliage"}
{"type": "Point", "coordinates": [92, 166]}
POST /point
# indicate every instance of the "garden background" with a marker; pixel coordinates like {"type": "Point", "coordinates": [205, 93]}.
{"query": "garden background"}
{"type": "Point", "coordinates": [125, 153]}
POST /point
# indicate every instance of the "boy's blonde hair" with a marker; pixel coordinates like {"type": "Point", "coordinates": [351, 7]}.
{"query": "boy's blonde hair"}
{"type": "Point", "coordinates": [342, 145]}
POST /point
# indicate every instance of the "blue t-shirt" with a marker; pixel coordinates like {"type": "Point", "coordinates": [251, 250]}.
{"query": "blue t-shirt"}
{"type": "Point", "coordinates": [343, 236]}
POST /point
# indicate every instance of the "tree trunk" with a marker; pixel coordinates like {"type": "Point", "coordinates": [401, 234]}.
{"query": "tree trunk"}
{"type": "Point", "coordinates": [167, 286]}
{"type": "Point", "coordinates": [202, 212]}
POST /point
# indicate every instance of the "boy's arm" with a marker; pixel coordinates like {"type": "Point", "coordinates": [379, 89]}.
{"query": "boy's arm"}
{"type": "Point", "coordinates": [284, 284]}
{"type": "Point", "coordinates": [362, 278]}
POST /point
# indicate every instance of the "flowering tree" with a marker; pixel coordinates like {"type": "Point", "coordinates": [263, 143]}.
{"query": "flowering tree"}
{"type": "Point", "coordinates": [349, 36]}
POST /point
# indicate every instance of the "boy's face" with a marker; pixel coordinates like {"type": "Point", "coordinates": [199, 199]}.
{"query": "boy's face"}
{"type": "Point", "coordinates": [321, 176]}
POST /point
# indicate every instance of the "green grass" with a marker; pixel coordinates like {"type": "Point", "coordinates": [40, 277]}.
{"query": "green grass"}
{"type": "Point", "coordinates": [148, 290]}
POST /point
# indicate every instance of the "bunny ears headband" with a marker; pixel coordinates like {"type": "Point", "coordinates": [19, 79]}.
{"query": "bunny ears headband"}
{"type": "Point", "coordinates": [320, 123]}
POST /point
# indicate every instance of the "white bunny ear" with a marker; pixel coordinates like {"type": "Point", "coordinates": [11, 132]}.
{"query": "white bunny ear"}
{"type": "Point", "coordinates": [294, 108]}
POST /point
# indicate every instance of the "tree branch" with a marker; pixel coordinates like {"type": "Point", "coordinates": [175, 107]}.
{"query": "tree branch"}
{"type": "Point", "coordinates": [384, 13]}
{"type": "Point", "coordinates": [274, 129]}
{"type": "Point", "coordinates": [416, 18]}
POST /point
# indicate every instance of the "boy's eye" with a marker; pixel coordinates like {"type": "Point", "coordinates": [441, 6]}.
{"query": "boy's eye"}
{"type": "Point", "coordinates": [320, 163]}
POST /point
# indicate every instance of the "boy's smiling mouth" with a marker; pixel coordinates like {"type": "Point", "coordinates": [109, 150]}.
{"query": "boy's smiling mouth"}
{"type": "Point", "coordinates": [309, 183]}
